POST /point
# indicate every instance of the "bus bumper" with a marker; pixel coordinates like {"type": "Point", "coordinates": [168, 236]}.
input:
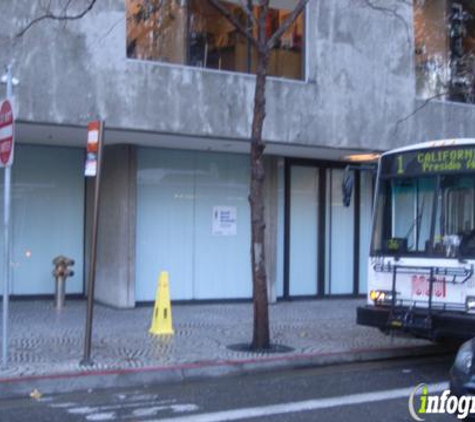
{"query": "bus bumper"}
{"type": "Point", "coordinates": [455, 325]}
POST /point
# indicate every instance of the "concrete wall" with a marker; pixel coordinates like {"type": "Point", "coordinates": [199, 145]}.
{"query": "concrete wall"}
{"type": "Point", "coordinates": [360, 88]}
{"type": "Point", "coordinates": [115, 278]}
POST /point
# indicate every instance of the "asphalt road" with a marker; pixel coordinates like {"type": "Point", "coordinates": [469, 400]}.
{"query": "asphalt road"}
{"type": "Point", "coordinates": [357, 392]}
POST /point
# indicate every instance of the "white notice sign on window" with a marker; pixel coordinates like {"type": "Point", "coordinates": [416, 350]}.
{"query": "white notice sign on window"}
{"type": "Point", "coordinates": [224, 221]}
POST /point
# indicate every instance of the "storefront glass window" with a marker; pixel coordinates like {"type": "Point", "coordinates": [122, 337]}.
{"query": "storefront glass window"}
{"type": "Point", "coordinates": [193, 221]}
{"type": "Point", "coordinates": [445, 49]}
{"type": "Point", "coordinates": [303, 269]}
{"type": "Point", "coordinates": [192, 32]}
{"type": "Point", "coordinates": [47, 217]}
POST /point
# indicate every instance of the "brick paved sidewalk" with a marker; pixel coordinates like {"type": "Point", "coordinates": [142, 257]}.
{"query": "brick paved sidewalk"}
{"type": "Point", "coordinates": [44, 341]}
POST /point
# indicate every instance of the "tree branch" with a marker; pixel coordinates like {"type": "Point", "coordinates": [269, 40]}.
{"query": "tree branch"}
{"type": "Point", "coordinates": [391, 12]}
{"type": "Point", "coordinates": [227, 14]}
{"type": "Point", "coordinates": [63, 16]}
{"type": "Point", "coordinates": [286, 24]}
{"type": "Point", "coordinates": [416, 110]}
{"type": "Point", "coordinates": [248, 12]}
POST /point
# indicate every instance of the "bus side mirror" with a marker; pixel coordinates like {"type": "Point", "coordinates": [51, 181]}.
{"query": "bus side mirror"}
{"type": "Point", "coordinates": [347, 187]}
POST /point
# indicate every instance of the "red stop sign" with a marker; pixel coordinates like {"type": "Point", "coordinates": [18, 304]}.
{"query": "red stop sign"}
{"type": "Point", "coordinates": [6, 133]}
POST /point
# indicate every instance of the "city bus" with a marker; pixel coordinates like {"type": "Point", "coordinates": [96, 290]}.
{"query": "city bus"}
{"type": "Point", "coordinates": [421, 264]}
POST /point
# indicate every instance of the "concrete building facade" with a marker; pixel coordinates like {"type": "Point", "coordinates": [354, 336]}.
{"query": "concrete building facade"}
{"type": "Point", "coordinates": [176, 168]}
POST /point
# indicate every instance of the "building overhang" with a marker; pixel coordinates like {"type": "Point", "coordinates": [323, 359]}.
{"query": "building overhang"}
{"type": "Point", "coordinates": [75, 136]}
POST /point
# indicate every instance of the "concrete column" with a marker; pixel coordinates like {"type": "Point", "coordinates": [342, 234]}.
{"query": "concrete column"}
{"type": "Point", "coordinates": [115, 278]}
{"type": "Point", "coordinates": [271, 214]}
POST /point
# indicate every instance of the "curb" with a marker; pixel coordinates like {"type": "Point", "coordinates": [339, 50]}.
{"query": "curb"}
{"type": "Point", "coordinates": [137, 377]}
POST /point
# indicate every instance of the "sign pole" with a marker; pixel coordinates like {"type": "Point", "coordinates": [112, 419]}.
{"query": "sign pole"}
{"type": "Point", "coordinates": [7, 243]}
{"type": "Point", "coordinates": [95, 144]}
{"type": "Point", "coordinates": [6, 264]}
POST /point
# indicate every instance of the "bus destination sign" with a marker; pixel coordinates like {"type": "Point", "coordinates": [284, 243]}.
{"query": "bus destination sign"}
{"type": "Point", "coordinates": [429, 161]}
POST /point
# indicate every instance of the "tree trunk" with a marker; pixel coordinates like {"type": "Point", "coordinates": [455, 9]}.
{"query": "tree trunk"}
{"type": "Point", "coordinates": [263, 44]}
{"type": "Point", "coordinates": [261, 337]}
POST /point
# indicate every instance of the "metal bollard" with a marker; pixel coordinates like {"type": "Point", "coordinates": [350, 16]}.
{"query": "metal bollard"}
{"type": "Point", "coordinates": [61, 272]}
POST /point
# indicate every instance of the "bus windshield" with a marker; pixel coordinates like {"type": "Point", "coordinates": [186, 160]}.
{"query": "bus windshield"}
{"type": "Point", "coordinates": [430, 216]}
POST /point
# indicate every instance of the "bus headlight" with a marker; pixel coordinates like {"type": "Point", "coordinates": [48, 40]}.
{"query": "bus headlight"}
{"type": "Point", "coordinates": [470, 304]}
{"type": "Point", "coordinates": [379, 296]}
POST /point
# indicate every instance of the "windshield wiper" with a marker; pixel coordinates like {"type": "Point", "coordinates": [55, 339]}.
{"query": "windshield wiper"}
{"type": "Point", "coordinates": [416, 222]}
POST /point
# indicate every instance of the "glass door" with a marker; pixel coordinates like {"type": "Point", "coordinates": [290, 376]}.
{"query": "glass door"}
{"type": "Point", "coordinates": [340, 231]}
{"type": "Point", "coordinates": [327, 242]}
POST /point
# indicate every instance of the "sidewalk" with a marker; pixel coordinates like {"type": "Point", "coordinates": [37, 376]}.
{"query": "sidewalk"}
{"type": "Point", "coordinates": [47, 345]}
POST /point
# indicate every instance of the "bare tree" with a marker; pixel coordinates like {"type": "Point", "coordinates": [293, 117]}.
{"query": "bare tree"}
{"type": "Point", "coordinates": [263, 45]}
{"type": "Point", "coordinates": [62, 15]}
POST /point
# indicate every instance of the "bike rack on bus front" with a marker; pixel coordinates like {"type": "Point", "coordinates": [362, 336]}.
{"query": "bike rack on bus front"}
{"type": "Point", "coordinates": [464, 273]}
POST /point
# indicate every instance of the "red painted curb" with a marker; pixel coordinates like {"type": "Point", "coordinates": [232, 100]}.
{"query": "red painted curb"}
{"type": "Point", "coordinates": [203, 364]}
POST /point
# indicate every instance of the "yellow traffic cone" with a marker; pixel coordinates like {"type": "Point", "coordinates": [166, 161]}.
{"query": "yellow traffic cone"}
{"type": "Point", "coordinates": [162, 312]}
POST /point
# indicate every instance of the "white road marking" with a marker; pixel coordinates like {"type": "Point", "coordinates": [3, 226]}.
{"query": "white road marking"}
{"type": "Point", "coordinates": [109, 412]}
{"type": "Point", "coordinates": [62, 405]}
{"type": "Point", "coordinates": [84, 410]}
{"type": "Point", "coordinates": [141, 397]}
{"type": "Point", "coordinates": [109, 416]}
{"type": "Point", "coordinates": [183, 408]}
{"type": "Point", "coordinates": [147, 412]}
{"type": "Point", "coordinates": [279, 409]}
